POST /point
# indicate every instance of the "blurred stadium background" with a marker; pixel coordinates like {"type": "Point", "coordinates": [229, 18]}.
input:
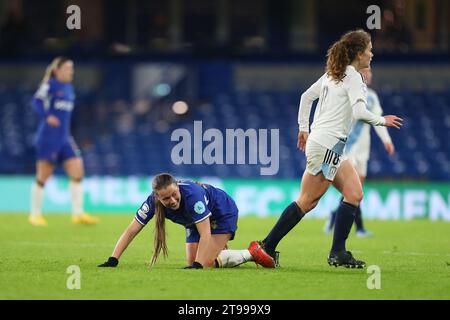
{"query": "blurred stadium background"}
{"type": "Point", "coordinates": [235, 64]}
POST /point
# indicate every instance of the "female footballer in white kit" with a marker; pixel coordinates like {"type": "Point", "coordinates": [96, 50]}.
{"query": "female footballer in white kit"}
{"type": "Point", "coordinates": [357, 150]}
{"type": "Point", "coordinates": [342, 96]}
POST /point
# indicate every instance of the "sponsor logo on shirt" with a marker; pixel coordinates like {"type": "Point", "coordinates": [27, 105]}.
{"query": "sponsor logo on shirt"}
{"type": "Point", "coordinates": [64, 105]}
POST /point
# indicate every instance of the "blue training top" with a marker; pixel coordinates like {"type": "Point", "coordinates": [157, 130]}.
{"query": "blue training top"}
{"type": "Point", "coordinates": [198, 202]}
{"type": "Point", "coordinates": [54, 98]}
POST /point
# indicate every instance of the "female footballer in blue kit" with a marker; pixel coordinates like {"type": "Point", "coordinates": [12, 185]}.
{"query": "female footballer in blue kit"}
{"type": "Point", "coordinates": [54, 102]}
{"type": "Point", "coordinates": [208, 213]}
{"type": "Point", "coordinates": [342, 97]}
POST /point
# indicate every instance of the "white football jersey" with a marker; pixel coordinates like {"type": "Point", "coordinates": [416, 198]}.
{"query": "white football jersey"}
{"type": "Point", "coordinates": [333, 117]}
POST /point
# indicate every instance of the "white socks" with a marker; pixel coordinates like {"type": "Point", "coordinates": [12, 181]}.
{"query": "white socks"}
{"type": "Point", "coordinates": [76, 192]}
{"type": "Point", "coordinates": [233, 258]}
{"type": "Point", "coordinates": [37, 197]}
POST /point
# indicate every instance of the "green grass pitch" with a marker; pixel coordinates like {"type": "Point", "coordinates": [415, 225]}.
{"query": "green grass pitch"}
{"type": "Point", "coordinates": [414, 259]}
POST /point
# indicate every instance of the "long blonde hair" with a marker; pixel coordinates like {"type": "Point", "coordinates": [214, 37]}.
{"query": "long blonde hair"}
{"type": "Point", "coordinates": [161, 181]}
{"type": "Point", "coordinates": [343, 52]}
{"type": "Point", "coordinates": [55, 64]}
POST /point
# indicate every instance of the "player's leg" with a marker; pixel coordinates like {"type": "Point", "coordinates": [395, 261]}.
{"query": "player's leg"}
{"type": "Point", "coordinates": [313, 186]}
{"type": "Point", "coordinates": [312, 189]}
{"type": "Point", "coordinates": [44, 169]}
{"type": "Point", "coordinates": [361, 169]}
{"type": "Point", "coordinates": [360, 166]}
{"type": "Point", "coordinates": [329, 224]}
{"type": "Point", "coordinates": [216, 246]}
{"type": "Point", "coordinates": [358, 218]}
{"type": "Point", "coordinates": [348, 183]}
{"type": "Point", "coordinates": [74, 167]}
{"type": "Point", "coordinates": [220, 257]}
{"type": "Point", "coordinates": [229, 258]}
{"type": "Point", "coordinates": [75, 171]}
{"type": "Point", "coordinates": [360, 230]}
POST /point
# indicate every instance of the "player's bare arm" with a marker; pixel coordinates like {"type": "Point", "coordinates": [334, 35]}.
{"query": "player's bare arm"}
{"type": "Point", "coordinates": [204, 229]}
{"type": "Point", "coordinates": [125, 239]}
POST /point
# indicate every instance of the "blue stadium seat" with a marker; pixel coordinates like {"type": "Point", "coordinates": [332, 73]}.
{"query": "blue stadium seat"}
{"type": "Point", "coordinates": [115, 141]}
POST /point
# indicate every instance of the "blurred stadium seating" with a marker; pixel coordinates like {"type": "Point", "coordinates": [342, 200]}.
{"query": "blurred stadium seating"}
{"type": "Point", "coordinates": [124, 132]}
{"type": "Point", "coordinates": [117, 140]}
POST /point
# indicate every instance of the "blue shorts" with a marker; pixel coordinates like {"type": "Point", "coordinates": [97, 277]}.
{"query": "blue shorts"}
{"type": "Point", "coordinates": [57, 153]}
{"type": "Point", "coordinates": [228, 224]}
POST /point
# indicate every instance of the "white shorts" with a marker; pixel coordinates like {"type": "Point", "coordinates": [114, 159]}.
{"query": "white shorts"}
{"type": "Point", "coordinates": [360, 164]}
{"type": "Point", "coordinates": [320, 159]}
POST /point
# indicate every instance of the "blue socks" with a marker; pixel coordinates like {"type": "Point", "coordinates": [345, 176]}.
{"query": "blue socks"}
{"type": "Point", "coordinates": [291, 216]}
{"type": "Point", "coordinates": [358, 220]}
{"type": "Point", "coordinates": [288, 220]}
{"type": "Point", "coordinates": [345, 215]}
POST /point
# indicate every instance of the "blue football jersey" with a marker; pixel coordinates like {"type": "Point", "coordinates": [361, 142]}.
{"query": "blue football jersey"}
{"type": "Point", "coordinates": [198, 202]}
{"type": "Point", "coordinates": [54, 98]}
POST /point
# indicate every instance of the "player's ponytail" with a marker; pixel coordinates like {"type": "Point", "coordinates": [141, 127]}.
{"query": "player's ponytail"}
{"type": "Point", "coordinates": [343, 52]}
{"type": "Point", "coordinates": [338, 61]}
{"type": "Point", "coordinates": [160, 233]}
{"type": "Point", "coordinates": [55, 64]}
{"type": "Point", "coordinates": [161, 181]}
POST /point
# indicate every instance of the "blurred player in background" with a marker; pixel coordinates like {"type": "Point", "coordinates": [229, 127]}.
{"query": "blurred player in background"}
{"type": "Point", "coordinates": [209, 215]}
{"type": "Point", "coordinates": [342, 96]}
{"type": "Point", "coordinates": [357, 150]}
{"type": "Point", "coordinates": [54, 102]}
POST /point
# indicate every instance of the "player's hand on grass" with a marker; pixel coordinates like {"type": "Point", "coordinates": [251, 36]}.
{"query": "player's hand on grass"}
{"type": "Point", "coordinates": [53, 121]}
{"type": "Point", "coordinates": [111, 263]}
{"type": "Point", "coordinates": [301, 141]}
{"type": "Point", "coordinates": [393, 121]}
